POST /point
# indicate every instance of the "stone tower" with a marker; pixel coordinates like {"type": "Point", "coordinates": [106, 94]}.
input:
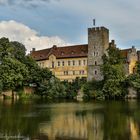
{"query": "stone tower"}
{"type": "Point", "coordinates": [98, 42]}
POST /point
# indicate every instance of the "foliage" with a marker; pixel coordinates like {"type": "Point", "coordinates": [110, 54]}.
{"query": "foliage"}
{"type": "Point", "coordinates": [17, 69]}
{"type": "Point", "coordinates": [1, 86]}
{"type": "Point", "coordinates": [133, 80]}
{"type": "Point", "coordinates": [138, 68]}
{"type": "Point", "coordinates": [72, 88]}
{"type": "Point", "coordinates": [19, 51]}
{"type": "Point", "coordinates": [113, 84]}
{"type": "Point", "coordinates": [113, 56]}
{"type": "Point", "coordinates": [51, 89]}
{"type": "Point", "coordinates": [114, 76]}
{"type": "Point", "coordinates": [12, 73]}
{"type": "Point", "coordinates": [6, 48]}
{"type": "Point", "coordinates": [92, 90]}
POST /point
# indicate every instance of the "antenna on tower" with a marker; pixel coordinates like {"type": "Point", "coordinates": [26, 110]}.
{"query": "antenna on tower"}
{"type": "Point", "coordinates": [94, 22]}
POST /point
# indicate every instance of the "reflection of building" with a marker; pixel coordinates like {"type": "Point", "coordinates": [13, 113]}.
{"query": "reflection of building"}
{"type": "Point", "coordinates": [134, 130]}
{"type": "Point", "coordinates": [74, 127]}
{"type": "Point", "coordinates": [70, 62]}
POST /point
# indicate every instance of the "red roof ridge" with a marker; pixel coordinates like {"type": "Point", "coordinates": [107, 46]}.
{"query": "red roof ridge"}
{"type": "Point", "coordinates": [61, 52]}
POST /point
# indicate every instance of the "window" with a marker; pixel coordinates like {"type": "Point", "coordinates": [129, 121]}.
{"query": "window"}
{"type": "Point", "coordinates": [73, 72]}
{"type": "Point", "coordinates": [65, 72]}
{"type": "Point", "coordinates": [95, 62]}
{"type": "Point", "coordinates": [52, 64]}
{"type": "Point", "coordinates": [95, 72]}
{"type": "Point", "coordinates": [58, 63]}
{"type": "Point", "coordinates": [97, 54]}
{"type": "Point", "coordinates": [73, 62]}
{"type": "Point", "coordinates": [84, 62]}
{"type": "Point", "coordinates": [68, 63]}
{"type": "Point", "coordinates": [79, 62]}
{"type": "Point", "coordinates": [63, 63]}
{"type": "Point", "coordinates": [81, 72]}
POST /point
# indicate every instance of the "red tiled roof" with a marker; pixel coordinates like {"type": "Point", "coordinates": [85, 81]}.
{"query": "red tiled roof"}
{"type": "Point", "coordinates": [61, 52]}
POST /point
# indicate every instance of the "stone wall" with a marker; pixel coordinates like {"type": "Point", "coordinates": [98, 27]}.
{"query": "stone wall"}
{"type": "Point", "coordinates": [98, 42]}
{"type": "Point", "coordinates": [29, 90]}
{"type": "Point", "coordinates": [132, 93]}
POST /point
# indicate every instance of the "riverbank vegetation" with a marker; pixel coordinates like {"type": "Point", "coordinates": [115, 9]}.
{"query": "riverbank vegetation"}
{"type": "Point", "coordinates": [18, 70]}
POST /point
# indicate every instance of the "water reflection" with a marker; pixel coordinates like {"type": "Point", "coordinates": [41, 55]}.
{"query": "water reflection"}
{"type": "Point", "coordinates": [70, 121]}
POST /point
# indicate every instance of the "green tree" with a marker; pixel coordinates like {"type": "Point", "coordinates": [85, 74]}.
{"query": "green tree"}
{"type": "Point", "coordinates": [12, 73]}
{"type": "Point", "coordinates": [19, 51]}
{"type": "Point", "coordinates": [6, 48]}
{"type": "Point", "coordinates": [114, 76]}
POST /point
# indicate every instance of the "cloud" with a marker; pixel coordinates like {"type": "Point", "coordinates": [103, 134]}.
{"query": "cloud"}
{"type": "Point", "coordinates": [16, 31]}
{"type": "Point", "coordinates": [32, 3]}
{"type": "Point", "coordinates": [121, 17]}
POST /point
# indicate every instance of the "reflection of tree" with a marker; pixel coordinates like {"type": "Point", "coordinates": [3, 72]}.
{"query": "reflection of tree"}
{"type": "Point", "coordinates": [21, 119]}
{"type": "Point", "coordinates": [116, 121]}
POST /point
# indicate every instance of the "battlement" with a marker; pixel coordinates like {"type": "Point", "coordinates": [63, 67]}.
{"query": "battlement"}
{"type": "Point", "coordinates": [97, 29]}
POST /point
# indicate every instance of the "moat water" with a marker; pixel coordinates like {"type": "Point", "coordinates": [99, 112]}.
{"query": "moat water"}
{"type": "Point", "coordinates": [39, 120]}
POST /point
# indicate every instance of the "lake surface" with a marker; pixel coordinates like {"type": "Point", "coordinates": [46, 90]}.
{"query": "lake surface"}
{"type": "Point", "coordinates": [39, 120]}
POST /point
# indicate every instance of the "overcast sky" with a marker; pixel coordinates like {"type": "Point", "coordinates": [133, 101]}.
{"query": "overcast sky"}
{"type": "Point", "coordinates": [42, 23]}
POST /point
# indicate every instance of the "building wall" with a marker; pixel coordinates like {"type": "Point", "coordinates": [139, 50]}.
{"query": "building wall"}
{"type": "Point", "coordinates": [98, 42]}
{"type": "Point", "coordinates": [132, 59]}
{"type": "Point", "coordinates": [66, 69]}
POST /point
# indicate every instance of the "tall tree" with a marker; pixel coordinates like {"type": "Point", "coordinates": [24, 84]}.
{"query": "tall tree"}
{"type": "Point", "coordinates": [114, 76]}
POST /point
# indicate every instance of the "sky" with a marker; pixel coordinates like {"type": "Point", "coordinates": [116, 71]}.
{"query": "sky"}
{"type": "Point", "coordinates": [42, 23]}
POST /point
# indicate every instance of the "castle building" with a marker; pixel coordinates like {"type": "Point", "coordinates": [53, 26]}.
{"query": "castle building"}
{"type": "Point", "coordinates": [83, 61]}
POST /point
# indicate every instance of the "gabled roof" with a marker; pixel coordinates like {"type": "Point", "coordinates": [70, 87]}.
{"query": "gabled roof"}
{"type": "Point", "coordinates": [61, 52]}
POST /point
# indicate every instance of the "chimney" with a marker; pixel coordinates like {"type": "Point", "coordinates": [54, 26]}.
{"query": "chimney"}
{"type": "Point", "coordinates": [33, 49]}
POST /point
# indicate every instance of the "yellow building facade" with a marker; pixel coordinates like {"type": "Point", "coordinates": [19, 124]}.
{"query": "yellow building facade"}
{"type": "Point", "coordinates": [64, 62]}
